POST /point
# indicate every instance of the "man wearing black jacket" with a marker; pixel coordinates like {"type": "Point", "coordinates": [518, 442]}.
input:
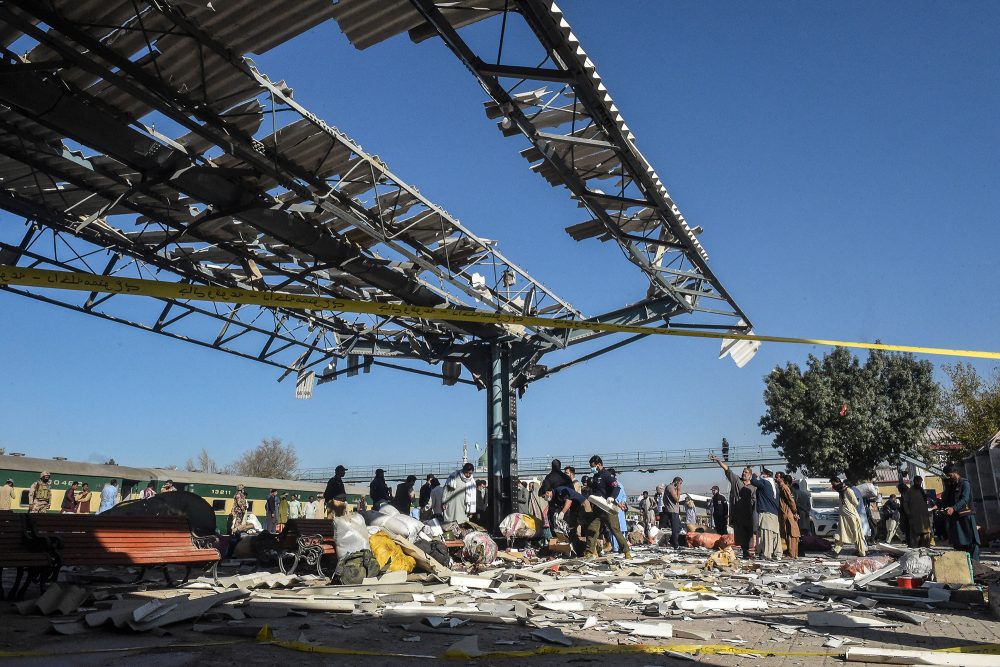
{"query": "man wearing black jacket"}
{"type": "Point", "coordinates": [379, 490]}
{"type": "Point", "coordinates": [604, 485]}
{"type": "Point", "coordinates": [335, 495]}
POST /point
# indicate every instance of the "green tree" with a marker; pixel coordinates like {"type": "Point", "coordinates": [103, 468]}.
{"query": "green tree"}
{"type": "Point", "coordinates": [969, 410]}
{"type": "Point", "coordinates": [271, 458]}
{"type": "Point", "coordinates": [841, 416]}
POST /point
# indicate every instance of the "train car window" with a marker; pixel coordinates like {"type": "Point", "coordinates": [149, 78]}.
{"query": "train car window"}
{"type": "Point", "coordinates": [250, 506]}
{"type": "Point", "coordinates": [180, 486]}
{"type": "Point", "coordinates": [128, 486]}
{"type": "Point", "coordinates": [219, 505]}
{"type": "Point", "coordinates": [24, 498]}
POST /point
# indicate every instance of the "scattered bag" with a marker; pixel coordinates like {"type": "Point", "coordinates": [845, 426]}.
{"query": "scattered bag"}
{"type": "Point", "coordinates": [866, 565]}
{"type": "Point", "coordinates": [723, 559]}
{"type": "Point", "coordinates": [814, 543]}
{"type": "Point", "coordinates": [725, 542]}
{"type": "Point", "coordinates": [706, 540]}
{"type": "Point", "coordinates": [404, 526]}
{"type": "Point", "coordinates": [434, 527]}
{"type": "Point", "coordinates": [519, 525]}
{"type": "Point", "coordinates": [350, 534]}
{"type": "Point", "coordinates": [390, 555]}
{"type": "Point", "coordinates": [917, 563]}
{"type": "Point", "coordinates": [435, 549]}
{"type": "Point", "coordinates": [479, 549]}
{"type": "Point", "coordinates": [356, 567]}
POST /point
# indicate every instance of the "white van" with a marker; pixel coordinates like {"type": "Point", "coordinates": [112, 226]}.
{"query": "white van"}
{"type": "Point", "coordinates": [824, 513]}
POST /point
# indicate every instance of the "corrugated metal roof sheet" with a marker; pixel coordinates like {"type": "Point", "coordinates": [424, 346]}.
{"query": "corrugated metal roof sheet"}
{"type": "Point", "coordinates": [368, 22]}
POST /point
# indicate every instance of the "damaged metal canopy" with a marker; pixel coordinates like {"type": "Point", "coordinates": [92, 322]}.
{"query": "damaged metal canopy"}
{"type": "Point", "coordinates": [554, 96]}
{"type": "Point", "coordinates": [250, 189]}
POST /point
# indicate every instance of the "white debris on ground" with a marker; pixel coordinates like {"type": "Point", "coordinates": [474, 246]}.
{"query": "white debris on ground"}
{"type": "Point", "coordinates": [656, 596]}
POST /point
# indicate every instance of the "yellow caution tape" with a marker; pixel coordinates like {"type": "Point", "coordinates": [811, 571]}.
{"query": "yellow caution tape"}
{"type": "Point", "coordinates": [607, 649]}
{"type": "Point", "coordinates": [120, 649]}
{"type": "Point", "coordinates": [44, 278]}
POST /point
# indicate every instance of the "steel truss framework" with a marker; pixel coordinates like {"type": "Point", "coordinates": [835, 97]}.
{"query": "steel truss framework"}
{"type": "Point", "coordinates": [138, 139]}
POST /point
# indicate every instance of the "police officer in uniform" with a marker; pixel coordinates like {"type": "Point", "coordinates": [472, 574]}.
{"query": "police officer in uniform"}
{"type": "Point", "coordinates": [40, 495]}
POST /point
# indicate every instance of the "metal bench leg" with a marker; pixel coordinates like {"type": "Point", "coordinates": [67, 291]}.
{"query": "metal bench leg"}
{"type": "Point", "coordinates": [295, 562]}
{"type": "Point", "coordinates": [166, 575]}
{"type": "Point", "coordinates": [142, 574]}
{"type": "Point", "coordinates": [187, 574]}
{"type": "Point", "coordinates": [213, 571]}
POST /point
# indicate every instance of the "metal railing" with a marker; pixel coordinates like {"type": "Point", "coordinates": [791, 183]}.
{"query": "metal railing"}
{"type": "Point", "coordinates": [648, 462]}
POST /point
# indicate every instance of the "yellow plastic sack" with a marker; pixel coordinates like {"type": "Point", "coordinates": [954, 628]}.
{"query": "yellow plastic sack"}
{"type": "Point", "coordinates": [386, 550]}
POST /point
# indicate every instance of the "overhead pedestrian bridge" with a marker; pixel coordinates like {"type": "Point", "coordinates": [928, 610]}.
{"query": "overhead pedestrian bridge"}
{"type": "Point", "coordinates": [650, 462]}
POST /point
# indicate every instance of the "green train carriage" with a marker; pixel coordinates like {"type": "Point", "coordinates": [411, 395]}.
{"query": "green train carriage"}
{"type": "Point", "coordinates": [218, 490]}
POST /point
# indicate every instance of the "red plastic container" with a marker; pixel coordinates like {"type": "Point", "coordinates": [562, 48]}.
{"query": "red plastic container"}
{"type": "Point", "coordinates": [909, 582]}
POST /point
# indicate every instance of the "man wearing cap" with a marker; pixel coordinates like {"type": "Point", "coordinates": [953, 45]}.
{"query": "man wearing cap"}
{"type": "Point", "coordinates": [40, 495]}
{"type": "Point", "coordinates": [379, 490]}
{"type": "Point", "coordinates": [720, 511]}
{"type": "Point", "coordinates": [404, 495]}
{"type": "Point", "coordinates": [7, 496]}
{"type": "Point", "coordinates": [335, 495]}
{"type": "Point", "coordinates": [239, 508]}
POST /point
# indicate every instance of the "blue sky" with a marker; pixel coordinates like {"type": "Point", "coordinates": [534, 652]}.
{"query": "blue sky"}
{"type": "Point", "coordinates": [844, 160]}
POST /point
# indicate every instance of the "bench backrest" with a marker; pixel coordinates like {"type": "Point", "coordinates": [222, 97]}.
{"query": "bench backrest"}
{"type": "Point", "coordinates": [121, 540]}
{"type": "Point", "coordinates": [15, 549]}
{"type": "Point", "coordinates": [296, 528]}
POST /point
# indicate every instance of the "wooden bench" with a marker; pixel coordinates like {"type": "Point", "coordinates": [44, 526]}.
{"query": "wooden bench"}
{"type": "Point", "coordinates": [94, 540]}
{"type": "Point", "coordinates": [24, 551]}
{"type": "Point", "coordinates": [308, 541]}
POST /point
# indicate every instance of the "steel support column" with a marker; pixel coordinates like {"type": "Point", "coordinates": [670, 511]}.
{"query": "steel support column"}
{"type": "Point", "coordinates": [501, 434]}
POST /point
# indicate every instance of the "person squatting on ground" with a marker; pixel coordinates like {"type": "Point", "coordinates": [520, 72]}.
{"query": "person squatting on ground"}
{"type": "Point", "coordinates": [603, 484]}
{"type": "Point", "coordinates": [742, 500]}
{"type": "Point", "coordinates": [569, 509]}
{"type": "Point", "coordinates": [850, 531]}
{"type": "Point", "coordinates": [957, 501]}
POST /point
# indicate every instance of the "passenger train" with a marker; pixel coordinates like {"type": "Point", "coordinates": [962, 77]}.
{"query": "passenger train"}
{"type": "Point", "coordinates": [217, 490]}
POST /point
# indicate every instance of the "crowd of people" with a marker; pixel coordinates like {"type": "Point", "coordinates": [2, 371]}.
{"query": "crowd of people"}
{"type": "Point", "coordinates": [767, 512]}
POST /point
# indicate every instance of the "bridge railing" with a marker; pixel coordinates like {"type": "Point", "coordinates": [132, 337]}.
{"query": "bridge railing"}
{"type": "Point", "coordinates": [654, 461]}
